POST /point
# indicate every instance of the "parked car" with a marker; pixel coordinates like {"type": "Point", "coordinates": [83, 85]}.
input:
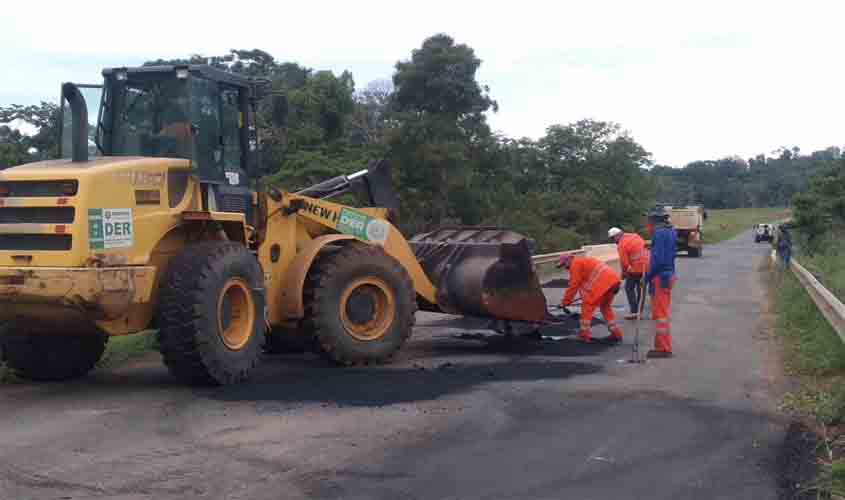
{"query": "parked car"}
{"type": "Point", "coordinates": [764, 232]}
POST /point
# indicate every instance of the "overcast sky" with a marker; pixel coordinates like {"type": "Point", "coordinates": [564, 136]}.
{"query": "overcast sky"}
{"type": "Point", "coordinates": [689, 80]}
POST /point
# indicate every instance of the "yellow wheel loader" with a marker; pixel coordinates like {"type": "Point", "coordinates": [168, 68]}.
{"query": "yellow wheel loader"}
{"type": "Point", "coordinates": [158, 220]}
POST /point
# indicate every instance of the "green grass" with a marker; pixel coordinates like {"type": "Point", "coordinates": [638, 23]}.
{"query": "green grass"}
{"type": "Point", "coordinates": [815, 355]}
{"type": "Point", "coordinates": [832, 480]}
{"type": "Point", "coordinates": [122, 349]}
{"type": "Point", "coordinates": [725, 224]}
{"type": "Point", "coordinates": [826, 263]}
{"type": "Point", "coordinates": [812, 346]}
{"type": "Point", "coordinates": [7, 376]}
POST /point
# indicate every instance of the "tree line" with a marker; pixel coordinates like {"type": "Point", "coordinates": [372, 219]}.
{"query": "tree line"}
{"type": "Point", "coordinates": [763, 181]}
{"type": "Point", "coordinates": [819, 211]}
{"type": "Point", "coordinates": [430, 120]}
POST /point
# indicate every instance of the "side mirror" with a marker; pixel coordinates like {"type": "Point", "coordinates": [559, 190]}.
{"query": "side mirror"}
{"type": "Point", "coordinates": [280, 110]}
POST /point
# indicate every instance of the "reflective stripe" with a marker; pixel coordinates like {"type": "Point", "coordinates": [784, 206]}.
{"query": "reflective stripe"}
{"type": "Point", "coordinates": [637, 258]}
{"type": "Point", "coordinates": [588, 286]}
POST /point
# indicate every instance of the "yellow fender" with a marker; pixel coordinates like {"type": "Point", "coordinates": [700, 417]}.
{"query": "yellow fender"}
{"type": "Point", "coordinates": [293, 306]}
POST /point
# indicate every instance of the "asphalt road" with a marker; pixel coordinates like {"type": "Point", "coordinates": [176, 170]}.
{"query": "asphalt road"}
{"type": "Point", "coordinates": [452, 418]}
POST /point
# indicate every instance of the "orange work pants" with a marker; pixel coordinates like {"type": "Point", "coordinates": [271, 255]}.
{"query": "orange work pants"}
{"type": "Point", "coordinates": [662, 315]}
{"type": "Point", "coordinates": [605, 304]}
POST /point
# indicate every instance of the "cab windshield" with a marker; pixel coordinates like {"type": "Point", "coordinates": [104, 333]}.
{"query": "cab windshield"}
{"type": "Point", "coordinates": [149, 117]}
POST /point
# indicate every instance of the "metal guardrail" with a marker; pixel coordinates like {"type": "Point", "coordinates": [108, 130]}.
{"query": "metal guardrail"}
{"type": "Point", "coordinates": [828, 304]}
{"type": "Point", "coordinates": [606, 253]}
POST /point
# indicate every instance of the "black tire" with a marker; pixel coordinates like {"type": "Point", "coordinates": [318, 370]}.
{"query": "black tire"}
{"type": "Point", "coordinates": [47, 357]}
{"type": "Point", "coordinates": [695, 252]}
{"type": "Point", "coordinates": [192, 343]}
{"type": "Point", "coordinates": [331, 277]}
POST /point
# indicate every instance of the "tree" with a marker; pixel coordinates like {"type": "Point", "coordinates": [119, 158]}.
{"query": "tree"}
{"type": "Point", "coordinates": [440, 80]}
{"type": "Point", "coordinates": [371, 120]}
{"type": "Point", "coordinates": [440, 107]}
{"type": "Point", "coordinates": [44, 118]}
{"type": "Point", "coordinates": [599, 170]}
{"type": "Point", "coordinates": [13, 147]}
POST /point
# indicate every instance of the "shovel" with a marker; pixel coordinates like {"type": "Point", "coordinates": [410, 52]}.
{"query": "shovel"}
{"type": "Point", "coordinates": [636, 357]}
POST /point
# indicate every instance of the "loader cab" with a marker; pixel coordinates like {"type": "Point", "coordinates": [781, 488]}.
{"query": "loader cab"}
{"type": "Point", "coordinates": [194, 112]}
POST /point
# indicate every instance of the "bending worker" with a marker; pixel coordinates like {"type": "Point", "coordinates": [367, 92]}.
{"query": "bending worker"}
{"type": "Point", "coordinates": [633, 260]}
{"type": "Point", "coordinates": [598, 283]}
{"type": "Point", "coordinates": [661, 275]}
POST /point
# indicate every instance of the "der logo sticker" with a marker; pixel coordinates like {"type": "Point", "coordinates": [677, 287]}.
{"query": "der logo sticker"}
{"type": "Point", "coordinates": [110, 228]}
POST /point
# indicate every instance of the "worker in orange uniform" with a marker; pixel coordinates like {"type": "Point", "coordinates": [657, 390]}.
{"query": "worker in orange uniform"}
{"type": "Point", "coordinates": [661, 276]}
{"type": "Point", "coordinates": [633, 260]}
{"type": "Point", "coordinates": [598, 284]}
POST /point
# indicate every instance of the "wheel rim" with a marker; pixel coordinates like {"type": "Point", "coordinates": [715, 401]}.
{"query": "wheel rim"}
{"type": "Point", "coordinates": [235, 314]}
{"type": "Point", "coordinates": [367, 309]}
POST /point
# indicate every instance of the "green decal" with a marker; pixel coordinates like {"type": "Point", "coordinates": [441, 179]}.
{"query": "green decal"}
{"type": "Point", "coordinates": [95, 228]}
{"type": "Point", "coordinates": [353, 222]}
{"type": "Point", "coordinates": [110, 228]}
{"type": "Point", "coordinates": [362, 226]}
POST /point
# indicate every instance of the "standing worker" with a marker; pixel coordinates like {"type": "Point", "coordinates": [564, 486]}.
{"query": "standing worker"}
{"type": "Point", "coordinates": [661, 276]}
{"type": "Point", "coordinates": [598, 284]}
{"type": "Point", "coordinates": [633, 260]}
{"type": "Point", "coordinates": [785, 246]}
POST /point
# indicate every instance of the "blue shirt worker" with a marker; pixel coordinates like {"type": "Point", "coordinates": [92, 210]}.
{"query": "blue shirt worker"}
{"type": "Point", "coordinates": [661, 276]}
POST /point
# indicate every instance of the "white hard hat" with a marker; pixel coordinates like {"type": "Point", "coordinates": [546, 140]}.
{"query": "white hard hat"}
{"type": "Point", "coordinates": [613, 232]}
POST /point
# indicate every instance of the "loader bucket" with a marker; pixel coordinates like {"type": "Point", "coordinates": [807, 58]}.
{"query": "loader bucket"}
{"type": "Point", "coordinates": [480, 271]}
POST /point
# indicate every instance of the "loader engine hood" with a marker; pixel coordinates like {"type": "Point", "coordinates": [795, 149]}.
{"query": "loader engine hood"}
{"type": "Point", "coordinates": [63, 213]}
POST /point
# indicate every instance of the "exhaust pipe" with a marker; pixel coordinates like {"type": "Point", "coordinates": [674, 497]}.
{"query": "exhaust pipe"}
{"type": "Point", "coordinates": [79, 121]}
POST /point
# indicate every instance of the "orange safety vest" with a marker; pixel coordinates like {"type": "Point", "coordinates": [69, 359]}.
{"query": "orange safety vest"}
{"type": "Point", "coordinates": [592, 277]}
{"type": "Point", "coordinates": [633, 254]}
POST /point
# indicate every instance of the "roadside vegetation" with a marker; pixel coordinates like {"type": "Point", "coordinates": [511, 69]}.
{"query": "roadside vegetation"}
{"type": "Point", "coordinates": [813, 352]}
{"type": "Point", "coordinates": [6, 375]}
{"type": "Point", "coordinates": [814, 356]}
{"type": "Point", "coordinates": [122, 349]}
{"type": "Point", "coordinates": [826, 262]}
{"type": "Point", "coordinates": [725, 224]}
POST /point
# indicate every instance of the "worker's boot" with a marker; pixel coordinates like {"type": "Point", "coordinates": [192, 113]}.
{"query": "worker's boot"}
{"type": "Point", "coordinates": [662, 346]}
{"type": "Point", "coordinates": [615, 337]}
{"type": "Point", "coordinates": [585, 337]}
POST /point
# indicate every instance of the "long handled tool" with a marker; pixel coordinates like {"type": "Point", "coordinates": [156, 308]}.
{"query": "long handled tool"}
{"type": "Point", "coordinates": [635, 348]}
